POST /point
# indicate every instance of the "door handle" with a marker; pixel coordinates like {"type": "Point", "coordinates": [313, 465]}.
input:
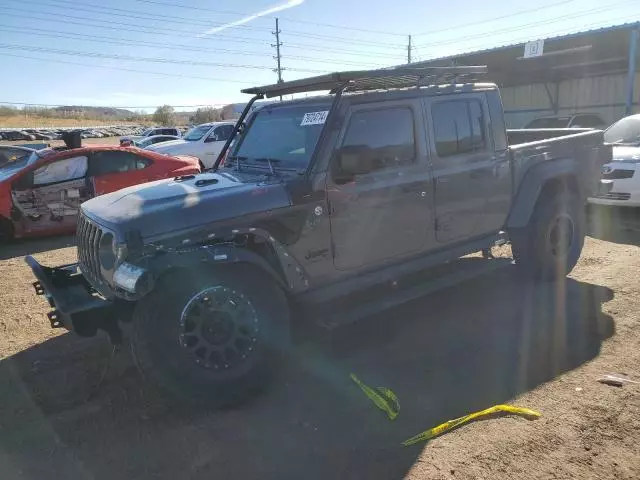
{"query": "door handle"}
{"type": "Point", "coordinates": [443, 180]}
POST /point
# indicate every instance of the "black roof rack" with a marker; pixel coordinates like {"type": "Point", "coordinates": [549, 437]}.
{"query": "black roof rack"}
{"type": "Point", "coordinates": [360, 80]}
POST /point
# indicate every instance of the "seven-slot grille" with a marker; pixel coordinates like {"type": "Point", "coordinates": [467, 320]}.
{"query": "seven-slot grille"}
{"type": "Point", "coordinates": [88, 238]}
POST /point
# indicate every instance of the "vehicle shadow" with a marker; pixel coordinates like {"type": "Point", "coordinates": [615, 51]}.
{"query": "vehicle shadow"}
{"type": "Point", "coordinates": [459, 350]}
{"type": "Point", "coordinates": [30, 246]}
{"type": "Point", "coordinates": [618, 225]}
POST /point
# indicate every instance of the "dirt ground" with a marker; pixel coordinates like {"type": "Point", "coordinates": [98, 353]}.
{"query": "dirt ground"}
{"type": "Point", "coordinates": [69, 409]}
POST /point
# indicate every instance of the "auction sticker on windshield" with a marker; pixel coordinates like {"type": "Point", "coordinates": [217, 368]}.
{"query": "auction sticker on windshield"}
{"type": "Point", "coordinates": [314, 118]}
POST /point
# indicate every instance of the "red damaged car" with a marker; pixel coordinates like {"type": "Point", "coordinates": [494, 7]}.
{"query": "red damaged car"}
{"type": "Point", "coordinates": [40, 194]}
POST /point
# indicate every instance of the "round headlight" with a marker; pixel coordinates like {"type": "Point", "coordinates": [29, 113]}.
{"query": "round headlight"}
{"type": "Point", "coordinates": [106, 253]}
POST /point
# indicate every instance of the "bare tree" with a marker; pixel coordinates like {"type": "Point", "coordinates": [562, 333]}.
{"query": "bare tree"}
{"type": "Point", "coordinates": [205, 115]}
{"type": "Point", "coordinates": [164, 115]}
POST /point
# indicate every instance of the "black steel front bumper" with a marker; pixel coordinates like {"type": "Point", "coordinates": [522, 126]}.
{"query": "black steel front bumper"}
{"type": "Point", "coordinates": [77, 306]}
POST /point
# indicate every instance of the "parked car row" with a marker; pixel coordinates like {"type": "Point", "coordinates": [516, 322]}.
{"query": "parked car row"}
{"type": "Point", "coordinates": [151, 132]}
{"type": "Point", "coordinates": [97, 132]}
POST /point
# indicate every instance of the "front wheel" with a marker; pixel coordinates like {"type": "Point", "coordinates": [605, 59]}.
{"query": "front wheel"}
{"type": "Point", "coordinates": [211, 338]}
{"type": "Point", "coordinates": [550, 245]}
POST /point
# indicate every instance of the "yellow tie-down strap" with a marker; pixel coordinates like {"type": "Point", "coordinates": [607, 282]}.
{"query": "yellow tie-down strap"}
{"type": "Point", "coordinates": [450, 424]}
{"type": "Point", "coordinates": [382, 397]}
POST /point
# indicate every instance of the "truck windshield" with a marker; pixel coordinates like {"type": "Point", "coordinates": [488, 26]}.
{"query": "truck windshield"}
{"type": "Point", "coordinates": [196, 133]}
{"type": "Point", "coordinates": [625, 131]}
{"type": "Point", "coordinates": [284, 134]}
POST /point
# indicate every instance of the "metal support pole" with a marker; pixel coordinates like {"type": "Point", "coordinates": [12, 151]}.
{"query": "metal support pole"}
{"type": "Point", "coordinates": [236, 129]}
{"type": "Point", "coordinates": [409, 50]}
{"type": "Point", "coordinates": [552, 101]}
{"type": "Point", "coordinates": [631, 73]}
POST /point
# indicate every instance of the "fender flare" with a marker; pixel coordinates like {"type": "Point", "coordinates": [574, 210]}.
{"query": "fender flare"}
{"type": "Point", "coordinates": [212, 255]}
{"type": "Point", "coordinates": [531, 186]}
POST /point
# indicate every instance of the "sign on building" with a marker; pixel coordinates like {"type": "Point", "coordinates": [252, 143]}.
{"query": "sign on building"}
{"type": "Point", "coordinates": [533, 48]}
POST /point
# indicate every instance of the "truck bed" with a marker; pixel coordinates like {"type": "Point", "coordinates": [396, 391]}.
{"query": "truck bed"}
{"type": "Point", "coordinates": [536, 146]}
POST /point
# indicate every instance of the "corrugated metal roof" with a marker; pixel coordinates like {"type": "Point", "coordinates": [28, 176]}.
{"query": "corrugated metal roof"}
{"type": "Point", "coordinates": [595, 31]}
{"type": "Point", "coordinates": [594, 52]}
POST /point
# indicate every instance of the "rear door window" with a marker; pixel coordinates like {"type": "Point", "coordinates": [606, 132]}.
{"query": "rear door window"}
{"type": "Point", "coordinates": [458, 127]}
{"type": "Point", "coordinates": [115, 161]}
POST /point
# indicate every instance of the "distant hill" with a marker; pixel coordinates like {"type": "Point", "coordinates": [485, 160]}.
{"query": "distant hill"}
{"type": "Point", "coordinates": [94, 112]}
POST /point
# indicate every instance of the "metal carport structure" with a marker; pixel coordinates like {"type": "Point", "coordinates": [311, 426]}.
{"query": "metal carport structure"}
{"type": "Point", "coordinates": [591, 71]}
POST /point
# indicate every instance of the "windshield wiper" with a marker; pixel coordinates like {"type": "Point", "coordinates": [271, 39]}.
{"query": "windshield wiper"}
{"type": "Point", "coordinates": [270, 161]}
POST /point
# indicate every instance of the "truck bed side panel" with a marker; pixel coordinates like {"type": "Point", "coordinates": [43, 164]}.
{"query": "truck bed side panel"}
{"type": "Point", "coordinates": [580, 156]}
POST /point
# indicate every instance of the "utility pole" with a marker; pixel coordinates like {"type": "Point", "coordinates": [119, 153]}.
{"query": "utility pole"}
{"type": "Point", "coordinates": [277, 47]}
{"type": "Point", "coordinates": [277, 57]}
{"type": "Point", "coordinates": [409, 50]}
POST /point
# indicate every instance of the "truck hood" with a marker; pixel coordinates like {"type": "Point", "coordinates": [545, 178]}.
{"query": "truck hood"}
{"type": "Point", "coordinates": [626, 154]}
{"type": "Point", "coordinates": [165, 206]}
{"type": "Point", "coordinates": [170, 146]}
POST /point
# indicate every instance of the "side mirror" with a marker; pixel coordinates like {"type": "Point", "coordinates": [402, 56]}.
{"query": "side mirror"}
{"type": "Point", "coordinates": [212, 138]}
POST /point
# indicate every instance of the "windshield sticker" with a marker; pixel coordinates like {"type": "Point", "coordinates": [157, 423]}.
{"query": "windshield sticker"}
{"type": "Point", "coordinates": [314, 118]}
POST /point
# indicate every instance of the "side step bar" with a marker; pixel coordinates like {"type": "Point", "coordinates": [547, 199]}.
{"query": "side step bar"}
{"type": "Point", "coordinates": [343, 313]}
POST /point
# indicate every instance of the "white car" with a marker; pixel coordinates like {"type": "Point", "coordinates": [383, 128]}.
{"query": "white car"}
{"type": "Point", "coordinates": [620, 181]}
{"type": "Point", "coordinates": [145, 142]}
{"type": "Point", "coordinates": [203, 141]}
{"type": "Point", "coordinates": [150, 132]}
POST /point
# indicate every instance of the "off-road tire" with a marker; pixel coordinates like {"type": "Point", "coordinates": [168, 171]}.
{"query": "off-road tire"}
{"type": "Point", "coordinates": [159, 347]}
{"type": "Point", "coordinates": [550, 245]}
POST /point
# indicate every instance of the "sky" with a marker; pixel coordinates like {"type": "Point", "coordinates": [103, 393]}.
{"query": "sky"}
{"type": "Point", "coordinates": [142, 53]}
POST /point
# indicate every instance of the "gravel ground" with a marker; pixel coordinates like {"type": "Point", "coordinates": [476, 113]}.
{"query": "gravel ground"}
{"type": "Point", "coordinates": [71, 409]}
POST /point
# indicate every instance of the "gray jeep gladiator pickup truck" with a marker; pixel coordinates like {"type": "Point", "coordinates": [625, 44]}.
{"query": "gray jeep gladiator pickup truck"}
{"type": "Point", "coordinates": [392, 172]}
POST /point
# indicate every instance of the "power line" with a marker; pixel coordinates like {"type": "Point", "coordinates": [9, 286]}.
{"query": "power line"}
{"type": "Point", "coordinates": [135, 28]}
{"type": "Point", "coordinates": [202, 23]}
{"type": "Point", "coordinates": [584, 13]}
{"type": "Point", "coordinates": [146, 16]}
{"type": "Point", "coordinates": [227, 12]}
{"type": "Point", "coordinates": [236, 39]}
{"type": "Point", "coordinates": [195, 63]}
{"type": "Point", "coordinates": [164, 74]}
{"type": "Point", "coordinates": [492, 19]}
{"type": "Point", "coordinates": [170, 46]}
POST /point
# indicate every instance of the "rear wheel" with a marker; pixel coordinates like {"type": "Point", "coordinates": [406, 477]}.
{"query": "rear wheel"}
{"type": "Point", "coordinates": [550, 245]}
{"type": "Point", "coordinates": [211, 338]}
